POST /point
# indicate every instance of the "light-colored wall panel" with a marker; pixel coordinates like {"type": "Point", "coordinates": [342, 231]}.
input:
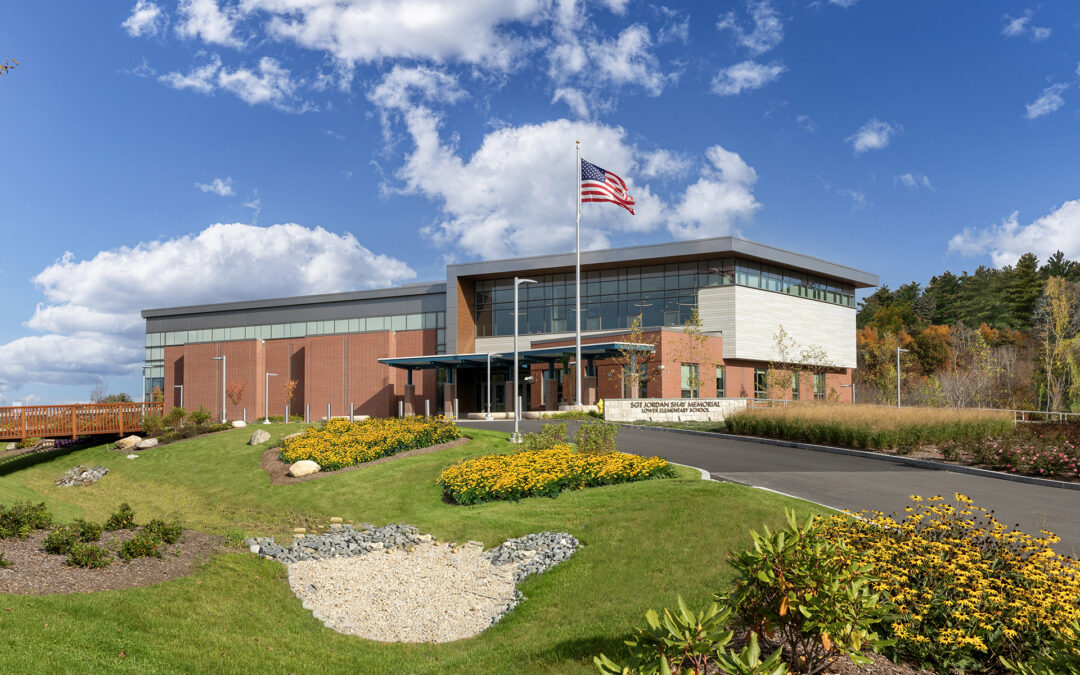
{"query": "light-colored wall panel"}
{"type": "Point", "coordinates": [759, 314]}
{"type": "Point", "coordinates": [716, 306]}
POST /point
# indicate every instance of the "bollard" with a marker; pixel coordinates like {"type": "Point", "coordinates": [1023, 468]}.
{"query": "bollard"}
{"type": "Point", "coordinates": [455, 409]}
{"type": "Point", "coordinates": [350, 411]}
{"type": "Point", "coordinates": [287, 418]}
{"type": "Point", "coordinates": [401, 408]}
{"type": "Point", "coordinates": [327, 412]}
{"type": "Point", "coordinates": [245, 416]}
{"type": "Point", "coordinates": [427, 407]}
{"type": "Point", "coordinates": [307, 413]}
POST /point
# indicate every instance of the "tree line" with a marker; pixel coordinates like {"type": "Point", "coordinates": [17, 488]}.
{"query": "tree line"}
{"type": "Point", "coordinates": [1004, 337]}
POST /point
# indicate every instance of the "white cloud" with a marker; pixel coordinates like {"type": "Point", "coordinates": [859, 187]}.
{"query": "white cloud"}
{"type": "Point", "coordinates": [91, 317]}
{"type": "Point", "coordinates": [1057, 230]}
{"type": "Point", "coordinates": [745, 76]}
{"type": "Point", "coordinates": [858, 199]}
{"type": "Point", "coordinates": [768, 30]}
{"type": "Point", "coordinates": [806, 123]}
{"type": "Point", "coordinates": [574, 99]}
{"type": "Point", "coordinates": [146, 19]}
{"type": "Point", "coordinates": [1049, 101]}
{"type": "Point", "coordinates": [627, 59]}
{"type": "Point", "coordinates": [914, 180]}
{"type": "Point", "coordinates": [516, 185]}
{"type": "Point", "coordinates": [1016, 26]}
{"type": "Point", "coordinates": [222, 188]}
{"type": "Point", "coordinates": [205, 20]}
{"type": "Point", "coordinates": [269, 83]}
{"type": "Point", "coordinates": [843, 3]}
{"type": "Point", "coordinates": [874, 135]}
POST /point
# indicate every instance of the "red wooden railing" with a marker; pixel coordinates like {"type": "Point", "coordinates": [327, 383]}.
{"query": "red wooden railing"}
{"type": "Point", "coordinates": [43, 421]}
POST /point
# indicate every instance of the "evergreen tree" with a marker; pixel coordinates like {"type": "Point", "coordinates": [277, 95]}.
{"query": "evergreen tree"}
{"type": "Point", "coordinates": [1058, 265]}
{"type": "Point", "coordinates": [869, 306]}
{"type": "Point", "coordinates": [1023, 292]}
{"type": "Point", "coordinates": [944, 291]}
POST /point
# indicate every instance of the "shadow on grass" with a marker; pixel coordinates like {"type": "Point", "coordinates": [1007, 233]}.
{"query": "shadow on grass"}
{"type": "Point", "coordinates": [583, 649]}
{"type": "Point", "coordinates": [14, 463]}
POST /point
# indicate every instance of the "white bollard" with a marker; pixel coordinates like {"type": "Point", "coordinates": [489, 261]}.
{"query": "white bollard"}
{"type": "Point", "coordinates": [427, 407]}
{"type": "Point", "coordinates": [350, 412]}
{"type": "Point", "coordinates": [455, 409]}
{"type": "Point", "coordinates": [327, 412]}
{"type": "Point", "coordinates": [245, 416]}
{"type": "Point", "coordinates": [401, 408]}
{"type": "Point", "coordinates": [287, 419]}
{"type": "Point", "coordinates": [307, 414]}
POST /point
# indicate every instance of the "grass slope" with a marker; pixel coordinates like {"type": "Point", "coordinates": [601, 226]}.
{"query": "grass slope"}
{"type": "Point", "coordinates": [644, 543]}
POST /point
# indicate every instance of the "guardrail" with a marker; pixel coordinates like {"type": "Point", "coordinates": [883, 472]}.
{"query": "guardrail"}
{"type": "Point", "coordinates": [44, 421]}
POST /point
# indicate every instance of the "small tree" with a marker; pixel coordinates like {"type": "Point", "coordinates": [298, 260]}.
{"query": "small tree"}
{"type": "Point", "coordinates": [289, 389]}
{"type": "Point", "coordinates": [695, 349]}
{"type": "Point", "coordinates": [1057, 324]}
{"type": "Point", "coordinates": [97, 394]}
{"type": "Point", "coordinates": [235, 393]}
{"type": "Point", "coordinates": [793, 361]}
{"type": "Point", "coordinates": [157, 395]}
{"type": "Point", "coordinates": [634, 358]}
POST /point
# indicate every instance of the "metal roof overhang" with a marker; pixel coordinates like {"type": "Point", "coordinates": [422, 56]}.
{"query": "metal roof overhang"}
{"type": "Point", "coordinates": [604, 350]}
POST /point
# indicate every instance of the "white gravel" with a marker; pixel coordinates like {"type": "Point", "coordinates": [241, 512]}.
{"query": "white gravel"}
{"type": "Point", "coordinates": [434, 593]}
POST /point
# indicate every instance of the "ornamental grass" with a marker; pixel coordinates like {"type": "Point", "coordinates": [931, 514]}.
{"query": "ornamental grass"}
{"type": "Point", "coordinates": [546, 472]}
{"type": "Point", "coordinates": [341, 443]}
{"type": "Point", "coordinates": [872, 427]}
{"type": "Point", "coordinates": [967, 590]}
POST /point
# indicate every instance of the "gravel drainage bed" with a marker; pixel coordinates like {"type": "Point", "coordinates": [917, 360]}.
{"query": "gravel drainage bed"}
{"type": "Point", "coordinates": [393, 584]}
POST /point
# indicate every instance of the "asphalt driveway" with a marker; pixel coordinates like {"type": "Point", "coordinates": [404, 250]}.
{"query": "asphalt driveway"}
{"type": "Point", "coordinates": [852, 483]}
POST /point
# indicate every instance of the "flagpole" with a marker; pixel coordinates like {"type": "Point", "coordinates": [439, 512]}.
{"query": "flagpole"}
{"type": "Point", "coordinates": [577, 273]}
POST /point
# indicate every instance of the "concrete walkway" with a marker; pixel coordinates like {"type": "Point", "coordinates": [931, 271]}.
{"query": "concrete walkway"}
{"type": "Point", "coordinates": [852, 483]}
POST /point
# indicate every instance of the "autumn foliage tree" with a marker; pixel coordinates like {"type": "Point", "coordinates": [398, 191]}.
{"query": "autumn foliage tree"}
{"type": "Point", "coordinates": [235, 392]}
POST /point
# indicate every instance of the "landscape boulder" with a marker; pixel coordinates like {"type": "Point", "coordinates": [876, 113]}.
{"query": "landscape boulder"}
{"type": "Point", "coordinates": [303, 468]}
{"type": "Point", "coordinates": [239, 424]}
{"type": "Point", "coordinates": [298, 433]}
{"type": "Point", "coordinates": [127, 443]}
{"type": "Point", "coordinates": [260, 436]}
{"type": "Point", "coordinates": [146, 443]}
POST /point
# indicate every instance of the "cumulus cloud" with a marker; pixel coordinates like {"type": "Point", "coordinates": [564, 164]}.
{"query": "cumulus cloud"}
{"type": "Point", "coordinates": [1048, 102]}
{"type": "Point", "coordinates": [874, 135]}
{"type": "Point", "coordinates": [515, 185]}
{"type": "Point", "coordinates": [268, 82]}
{"type": "Point", "coordinates": [843, 3]}
{"type": "Point", "coordinates": [1057, 230]}
{"type": "Point", "coordinates": [205, 20]}
{"type": "Point", "coordinates": [591, 63]}
{"type": "Point", "coordinates": [628, 59]}
{"type": "Point", "coordinates": [1017, 26]}
{"type": "Point", "coordinates": [222, 188]}
{"type": "Point", "coordinates": [806, 123]}
{"type": "Point", "coordinates": [858, 199]}
{"type": "Point", "coordinates": [574, 99]}
{"type": "Point", "coordinates": [767, 30]}
{"type": "Point", "coordinates": [745, 76]}
{"type": "Point", "coordinates": [914, 180]}
{"type": "Point", "coordinates": [90, 320]}
{"type": "Point", "coordinates": [147, 19]}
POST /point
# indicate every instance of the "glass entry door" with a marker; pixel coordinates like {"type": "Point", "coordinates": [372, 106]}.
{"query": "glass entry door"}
{"type": "Point", "coordinates": [498, 392]}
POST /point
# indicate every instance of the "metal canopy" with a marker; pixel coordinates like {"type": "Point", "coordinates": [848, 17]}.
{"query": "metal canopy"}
{"type": "Point", "coordinates": [603, 350]}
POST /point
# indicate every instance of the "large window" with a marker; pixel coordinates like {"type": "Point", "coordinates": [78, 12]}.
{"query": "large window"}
{"type": "Point", "coordinates": [819, 386]}
{"type": "Point", "coordinates": [721, 385]}
{"type": "Point", "coordinates": [795, 386]}
{"type": "Point", "coordinates": [689, 380]}
{"type": "Point", "coordinates": [664, 295]}
{"type": "Point", "coordinates": [761, 383]}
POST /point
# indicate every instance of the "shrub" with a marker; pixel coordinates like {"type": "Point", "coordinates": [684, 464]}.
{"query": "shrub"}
{"type": "Point", "coordinates": [27, 443]}
{"type": "Point", "coordinates": [175, 418]}
{"type": "Point", "coordinates": [800, 590]}
{"type": "Point", "coordinates": [690, 642]}
{"type": "Point", "coordinates": [22, 518]}
{"type": "Point", "coordinates": [550, 435]}
{"type": "Point", "coordinates": [341, 443]}
{"type": "Point", "coordinates": [90, 556]}
{"type": "Point", "coordinates": [1062, 655]}
{"type": "Point", "coordinates": [200, 417]}
{"type": "Point", "coordinates": [152, 424]}
{"type": "Point", "coordinates": [4, 562]}
{"type": "Point", "coordinates": [596, 437]}
{"type": "Point", "coordinates": [166, 532]}
{"type": "Point", "coordinates": [1046, 449]}
{"type": "Point", "coordinates": [60, 540]}
{"type": "Point", "coordinates": [143, 545]}
{"type": "Point", "coordinates": [123, 519]}
{"type": "Point", "coordinates": [584, 415]}
{"type": "Point", "coordinates": [544, 473]}
{"type": "Point", "coordinates": [966, 589]}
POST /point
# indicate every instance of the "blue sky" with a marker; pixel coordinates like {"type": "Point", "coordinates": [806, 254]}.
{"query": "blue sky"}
{"type": "Point", "coordinates": [163, 153]}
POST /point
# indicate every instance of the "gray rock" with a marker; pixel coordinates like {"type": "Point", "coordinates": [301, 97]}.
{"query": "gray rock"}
{"type": "Point", "coordinates": [260, 436]}
{"type": "Point", "coordinates": [81, 475]}
{"type": "Point", "coordinates": [254, 548]}
{"type": "Point", "coordinates": [12, 446]}
{"type": "Point", "coordinates": [146, 443]}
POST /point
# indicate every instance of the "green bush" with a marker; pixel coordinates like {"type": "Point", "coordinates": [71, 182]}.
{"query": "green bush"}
{"type": "Point", "coordinates": [90, 556]}
{"type": "Point", "coordinates": [583, 415]}
{"type": "Point", "coordinates": [22, 518]}
{"type": "Point", "coordinates": [143, 545]}
{"type": "Point", "coordinates": [175, 418]}
{"type": "Point", "coordinates": [4, 562]}
{"type": "Point", "coordinates": [152, 424]}
{"type": "Point", "coordinates": [200, 416]}
{"type": "Point", "coordinates": [64, 537]}
{"type": "Point", "coordinates": [1060, 657]}
{"type": "Point", "coordinates": [550, 435]}
{"type": "Point", "coordinates": [166, 532]}
{"type": "Point", "coordinates": [27, 443]}
{"type": "Point", "coordinates": [815, 600]}
{"type": "Point", "coordinates": [596, 437]}
{"type": "Point", "coordinates": [123, 519]}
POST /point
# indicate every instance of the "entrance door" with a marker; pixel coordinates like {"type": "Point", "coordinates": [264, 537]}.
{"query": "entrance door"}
{"type": "Point", "coordinates": [498, 393]}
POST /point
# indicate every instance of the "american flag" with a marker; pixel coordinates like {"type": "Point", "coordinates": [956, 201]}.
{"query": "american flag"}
{"type": "Point", "coordinates": [598, 185]}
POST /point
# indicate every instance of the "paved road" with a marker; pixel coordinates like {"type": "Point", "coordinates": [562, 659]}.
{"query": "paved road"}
{"type": "Point", "coordinates": [852, 483]}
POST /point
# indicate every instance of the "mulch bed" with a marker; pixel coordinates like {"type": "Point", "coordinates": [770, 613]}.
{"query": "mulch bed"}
{"type": "Point", "coordinates": [279, 470]}
{"type": "Point", "coordinates": [35, 572]}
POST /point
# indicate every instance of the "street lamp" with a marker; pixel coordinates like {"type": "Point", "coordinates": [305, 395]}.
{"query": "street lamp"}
{"type": "Point", "coordinates": [517, 413]}
{"type": "Point", "coordinates": [222, 359]}
{"type": "Point", "coordinates": [852, 385]}
{"type": "Point", "coordinates": [898, 350]}
{"type": "Point", "coordinates": [266, 418]}
{"type": "Point", "coordinates": [181, 388]}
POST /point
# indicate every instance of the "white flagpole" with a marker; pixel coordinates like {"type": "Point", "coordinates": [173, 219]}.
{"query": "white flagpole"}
{"type": "Point", "coordinates": [577, 272]}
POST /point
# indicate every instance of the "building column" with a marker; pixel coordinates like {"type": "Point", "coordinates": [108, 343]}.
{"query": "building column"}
{"type": "Point", "coordinates": [409, 399]}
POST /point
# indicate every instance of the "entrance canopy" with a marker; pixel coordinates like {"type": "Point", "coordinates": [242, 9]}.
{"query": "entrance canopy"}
{"type": "Point", "coordinates": [603, 350]}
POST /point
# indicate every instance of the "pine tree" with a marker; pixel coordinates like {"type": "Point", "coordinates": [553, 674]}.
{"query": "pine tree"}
{"type": "Point", "coordinates": [1058, 265]}
{"type": "Point", "coordinates": [944, 290]}
{"type": "Point", "coordinates": [1023, 292]}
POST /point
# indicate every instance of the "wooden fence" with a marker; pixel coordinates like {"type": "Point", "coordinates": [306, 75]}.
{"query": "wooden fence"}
{"type": "Point", "coordinates": [44, 421]}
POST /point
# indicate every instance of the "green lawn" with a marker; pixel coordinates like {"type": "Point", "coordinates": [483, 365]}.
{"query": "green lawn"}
{"type": "Point", "coordinates": [643, 544]}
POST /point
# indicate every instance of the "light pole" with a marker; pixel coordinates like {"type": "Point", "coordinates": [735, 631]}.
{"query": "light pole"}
{"type": "Point", "coordinates": [487, 414]}
{"type": "Point", "coordinates": [577, 283]}
{"type": "Point", "coordinates": [266, 418]}
{"type": "Point", "coordinates": [517, 413]}
{"type": "Point", "coordinates": [852, 385]}
{"type": "Point", "coordinates": [222, 359]}
{"type": "Point", "coordinates": [898, 350]}
{"type": "Point", "coordinates": [181, 388]}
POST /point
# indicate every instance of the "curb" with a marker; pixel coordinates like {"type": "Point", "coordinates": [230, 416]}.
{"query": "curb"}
{"type": "Point", "coordinates": [898, 459]}
{"type": "Point", "coordinates": [705, 475]}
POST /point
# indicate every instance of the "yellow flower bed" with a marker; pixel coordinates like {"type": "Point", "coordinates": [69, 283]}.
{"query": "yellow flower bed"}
{"type": "Point", "coordinates": [967, 590]}
{"type": "Point", "coordinates": [547, 472]}
{"type": "Point", "coordinates": [341, 443]}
